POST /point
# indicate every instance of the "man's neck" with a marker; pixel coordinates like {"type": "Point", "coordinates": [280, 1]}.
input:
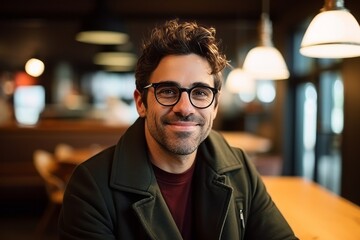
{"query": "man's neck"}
{"type": "Point", "coordinates": [170, 162]}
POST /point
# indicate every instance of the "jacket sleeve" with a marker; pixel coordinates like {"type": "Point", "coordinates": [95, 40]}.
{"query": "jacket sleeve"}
{"type": "Point", "coordinates": [264, 220]}
{"type": "Point", "coordinates": [85, 213]}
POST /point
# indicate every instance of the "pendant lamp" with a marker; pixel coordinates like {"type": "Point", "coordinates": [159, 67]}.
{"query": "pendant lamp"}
{"type": "Point", "coordinates": [333, 33]}
{"type": "Point", "coordinates": [240, 82]}
{"type": "Point", "coordinates": [265, 62]}
{"type": "Point", "coordinates": [116, 58]}
{"type": "Point", "coordinates": [102, 27]}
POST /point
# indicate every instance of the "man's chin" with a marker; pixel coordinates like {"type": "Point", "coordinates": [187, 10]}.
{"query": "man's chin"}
{"type": "Point", "coordinates": [182, 150]}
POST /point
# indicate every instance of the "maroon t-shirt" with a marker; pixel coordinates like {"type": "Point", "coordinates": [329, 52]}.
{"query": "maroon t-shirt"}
{"type": "Point", "coordinates": [176, 189]}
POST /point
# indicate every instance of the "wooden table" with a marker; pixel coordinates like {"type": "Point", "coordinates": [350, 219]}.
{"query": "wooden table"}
{"type": "Point", "coordinates": [314, 212]}
{"type": "Point", "coordinates": [251, 143]}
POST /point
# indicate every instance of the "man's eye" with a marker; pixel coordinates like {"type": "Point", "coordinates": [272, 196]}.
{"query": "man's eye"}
{"type": "Point", "coordinates": [167, 91]}
{"type": "Point", "coordinates": [201, 92]}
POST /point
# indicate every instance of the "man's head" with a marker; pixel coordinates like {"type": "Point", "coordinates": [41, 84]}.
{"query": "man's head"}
{"type": "Point", "coordinates": [178, 78]}
{"type": "Point", "coordinates": [179, 38]}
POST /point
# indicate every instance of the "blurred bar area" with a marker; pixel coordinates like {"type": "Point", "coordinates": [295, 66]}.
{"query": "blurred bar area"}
{"type": "Point", "coordinates": [300, 127]}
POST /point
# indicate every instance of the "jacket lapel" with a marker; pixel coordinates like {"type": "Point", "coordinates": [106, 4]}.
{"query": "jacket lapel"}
{"type": "Point", "coordinates": [212, 200]}
{"type": "Point", "coordinates": [156, 218]}
{"type": "Point", "coordinates": [213, 194]}
{"type": "Point", "coordinates": [130, 162]}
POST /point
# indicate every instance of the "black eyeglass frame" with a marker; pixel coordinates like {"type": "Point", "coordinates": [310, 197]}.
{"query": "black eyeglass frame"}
{"type": "Point", "coordinates": [181, 90]}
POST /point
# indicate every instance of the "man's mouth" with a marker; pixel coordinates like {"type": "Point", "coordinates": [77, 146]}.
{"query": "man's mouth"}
{"type": "Point", "coordinates": [183, 125]}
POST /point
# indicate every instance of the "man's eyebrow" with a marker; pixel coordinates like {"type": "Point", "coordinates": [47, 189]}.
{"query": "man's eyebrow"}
{"type": "Point", "coordinates": [195, 84]}
{"type": "Point", "coordinates": [169, 82]}
{"type": "Point", "coordinates": [200, 84]}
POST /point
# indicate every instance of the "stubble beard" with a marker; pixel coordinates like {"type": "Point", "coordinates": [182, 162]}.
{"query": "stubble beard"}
{"type": "Point", "coordinates": [179, 143]}
{"type": "Point", "coordinates": [182, 144]}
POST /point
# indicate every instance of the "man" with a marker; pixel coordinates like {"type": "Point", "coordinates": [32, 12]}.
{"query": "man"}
{"type": "Point", "coordinates": [170, 176]}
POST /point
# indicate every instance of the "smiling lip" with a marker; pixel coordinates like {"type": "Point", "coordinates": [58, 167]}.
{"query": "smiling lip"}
{"type": "Point", "coordinates": [183, 126]}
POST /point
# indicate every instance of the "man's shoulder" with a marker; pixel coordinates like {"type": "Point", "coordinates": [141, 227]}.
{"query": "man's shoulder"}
{"type": "Point", "coordinates": [221, 144]}
{"type": "Point", "coordinates": [100, 161]}
{"type": "Point", "coordinates": [220, 155]}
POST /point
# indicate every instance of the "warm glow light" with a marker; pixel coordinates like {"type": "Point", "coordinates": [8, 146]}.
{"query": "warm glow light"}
{"type": "Point", "coordinates": [24, 79]}
{"type": "Point", "coordinates": [102, 37]}
{"type": "Point", "coordinates": [34, 67]}
{"type": "Point", "coordinates": [118, 68]}
{"type": "Point", "coordinates": [332, 34]}
{"type": "Point", "coordinates": [115, 59]}
{"type": "Point", "coordinates": [266, 63]}
{"type": "Point", "coordinates": [240, 82]}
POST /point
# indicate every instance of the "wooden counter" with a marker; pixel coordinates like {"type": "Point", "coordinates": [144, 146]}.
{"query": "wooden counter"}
{"type": "Point", "coordinates": [16, 139]}
{"type": "Point", "coordinates": [312, 211]}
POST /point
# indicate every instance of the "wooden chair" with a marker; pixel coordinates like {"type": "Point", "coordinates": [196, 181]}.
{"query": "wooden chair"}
{"type": "Point", "coordinates": [63, 151]}
{"type": "Point", "coordinates": [46, 165]}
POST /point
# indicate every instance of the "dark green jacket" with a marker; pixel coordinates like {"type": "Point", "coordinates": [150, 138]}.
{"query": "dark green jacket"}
{"type": "Point", "coordinates": [114, 195]}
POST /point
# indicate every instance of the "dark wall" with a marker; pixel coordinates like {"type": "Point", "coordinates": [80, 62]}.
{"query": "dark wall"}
{"type": "Point", "coordinates": [351, 134]}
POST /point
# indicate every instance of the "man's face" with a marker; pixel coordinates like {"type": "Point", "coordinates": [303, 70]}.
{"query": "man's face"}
{"type": "Point", "coordinates": [178, 129]}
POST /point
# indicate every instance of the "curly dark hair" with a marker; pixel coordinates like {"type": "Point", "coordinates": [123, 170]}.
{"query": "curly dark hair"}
{"type": "Point", "coordinates": [179, 38]}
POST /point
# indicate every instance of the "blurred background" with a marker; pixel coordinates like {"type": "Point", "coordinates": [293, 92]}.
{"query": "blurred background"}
{"type": "Point", "coordinates": [303, 122]}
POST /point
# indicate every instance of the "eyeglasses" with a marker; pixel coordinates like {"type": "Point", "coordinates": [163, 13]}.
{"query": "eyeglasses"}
{"type": "Point", "coordinates": [168, 94]}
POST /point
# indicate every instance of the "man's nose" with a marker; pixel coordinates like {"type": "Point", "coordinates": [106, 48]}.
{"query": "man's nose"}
{"type": "Point", "coordinates": [184, 105]}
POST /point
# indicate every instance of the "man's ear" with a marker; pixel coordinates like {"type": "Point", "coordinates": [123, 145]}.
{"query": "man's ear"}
{"type": "Point", "coordinates": [140, 107]}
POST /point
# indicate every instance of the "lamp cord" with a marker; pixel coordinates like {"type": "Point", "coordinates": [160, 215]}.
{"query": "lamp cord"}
{"type": "Point", "coordinates": [265, 6]}
{"type": "Point", "coordinates": [265, 28]}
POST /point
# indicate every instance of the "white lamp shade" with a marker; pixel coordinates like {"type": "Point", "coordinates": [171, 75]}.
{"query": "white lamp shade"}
{"type": "Point", "coordinates": [239, 81]}
{"type": "Point", "coordinates": [332, 34]}
{"type": "Point", "coordinates": [242, 83]}
{"type": "Point", "coordinates": [266, 63]}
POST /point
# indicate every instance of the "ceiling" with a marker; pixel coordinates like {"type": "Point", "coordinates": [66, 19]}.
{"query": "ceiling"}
{"type": "Point", "coordinates": [47, 28]}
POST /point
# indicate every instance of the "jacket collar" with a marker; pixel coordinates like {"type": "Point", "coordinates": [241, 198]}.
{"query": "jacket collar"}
{"type": "Point", "coordinates": [131, 159]}
{"type": "Point", "coordinates": [219, 155]}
